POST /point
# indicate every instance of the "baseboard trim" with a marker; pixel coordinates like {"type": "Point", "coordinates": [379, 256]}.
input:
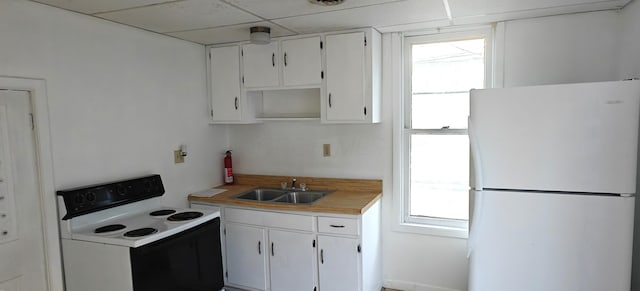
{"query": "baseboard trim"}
{"type": "Point", "coordinates": [410, 286]}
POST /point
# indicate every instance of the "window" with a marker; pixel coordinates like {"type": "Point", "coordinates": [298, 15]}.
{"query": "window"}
{"type": "Point", "coordinates": [439, 72]}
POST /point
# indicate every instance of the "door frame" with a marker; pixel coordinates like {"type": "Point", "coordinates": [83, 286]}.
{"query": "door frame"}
{"type": "Point", "coordinates": [44, 169]}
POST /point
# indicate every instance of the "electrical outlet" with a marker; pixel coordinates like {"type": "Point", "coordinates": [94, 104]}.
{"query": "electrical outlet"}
{"type": "Point", "coordinates": [326, 150]}
{"type": "Point", "coordinates": [178, 158]}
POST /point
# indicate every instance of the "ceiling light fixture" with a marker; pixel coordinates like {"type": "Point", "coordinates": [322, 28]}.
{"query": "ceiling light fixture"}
{"type": "Point", "coordinates": [260, 34]}
{"type": "Point", "coordinates": [327, 2]}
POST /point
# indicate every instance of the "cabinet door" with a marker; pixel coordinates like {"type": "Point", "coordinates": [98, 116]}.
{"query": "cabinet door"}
{"type": "Point", "coordinates": [260, 64]}
{"type": "Point", "coordinates": [338, 263]}
{"type": "Point", "coordinates": [245, 256]}
{"type": "Point", "coordinates": [225, 83]}
{"type": "Point", "coordinates": [292, 260]}
{"type": "Point", "coordinates": [345, 77]}
{"type": "Point", "coordinates": [301, 60]}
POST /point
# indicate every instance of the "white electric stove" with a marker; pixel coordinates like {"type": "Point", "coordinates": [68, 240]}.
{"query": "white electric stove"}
{"type": "Point", "coordinates": [118, 236]}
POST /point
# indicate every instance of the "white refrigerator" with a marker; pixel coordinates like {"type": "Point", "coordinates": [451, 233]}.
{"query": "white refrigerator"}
{"type": "Point", "coordinates": [553, 187]}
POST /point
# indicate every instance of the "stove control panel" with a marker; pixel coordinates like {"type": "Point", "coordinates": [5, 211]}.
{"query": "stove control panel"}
{"type": "Point", "coordinates": [85, 200]}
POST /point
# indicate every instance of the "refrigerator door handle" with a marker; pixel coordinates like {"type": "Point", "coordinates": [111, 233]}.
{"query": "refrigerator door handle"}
{"type": "Point", "coordinates": [477, 188]}
{"type": "Point", "coordinates": [475, 158]}
{"type": "Point", "coordinates": [476, 219]}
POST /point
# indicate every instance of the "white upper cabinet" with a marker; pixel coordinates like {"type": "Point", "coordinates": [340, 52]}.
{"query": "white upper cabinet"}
{"type": "Point", "coordinates": [332, 77]}
{"type": "Point", "coordinates": [353, 77]}
{"type": "Point", "coordinates": [224, 69]}
{"type": "Point", "coordinates": [283, 64]}
{"type": "Point", "coordinates": [261, 65]}
{"type": "Point", "coordinates": [302, 61]}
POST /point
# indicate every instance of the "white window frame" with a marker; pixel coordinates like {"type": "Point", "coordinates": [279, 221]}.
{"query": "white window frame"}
{"type": "Point", "coordinates": [400, 48]}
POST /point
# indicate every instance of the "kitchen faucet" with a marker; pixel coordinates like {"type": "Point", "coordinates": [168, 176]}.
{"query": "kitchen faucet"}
{"type": "Point", "coordinates": [293, 183]}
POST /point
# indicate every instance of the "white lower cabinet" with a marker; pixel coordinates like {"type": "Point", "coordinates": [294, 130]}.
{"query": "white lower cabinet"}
{"type": "Point", "coordinates": [245, 256]}
{"type": "Point", "coordinates": [303, 251]}
{"type": "Point", "coordinates": [338, 263]}
{"type": "Point", "coordinates": [292, 260]}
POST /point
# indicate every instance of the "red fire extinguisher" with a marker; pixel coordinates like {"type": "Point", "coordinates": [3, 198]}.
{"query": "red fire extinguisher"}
{"type": "Point", "coordinates": [228, 172]}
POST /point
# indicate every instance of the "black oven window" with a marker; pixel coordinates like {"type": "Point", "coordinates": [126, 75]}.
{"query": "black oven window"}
{"type": "Point", "coordinates": [188, 261]}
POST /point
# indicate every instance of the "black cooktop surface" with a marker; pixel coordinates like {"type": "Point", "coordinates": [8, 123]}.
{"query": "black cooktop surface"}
{"type": "Point", "coordinates": [140, 232]}
{"type": "Point", "coordinates": [182, 216]}
{"type": "Point", "coordinates": [162, 212]}
{"type": "Point", "coordinates": [109, 228]}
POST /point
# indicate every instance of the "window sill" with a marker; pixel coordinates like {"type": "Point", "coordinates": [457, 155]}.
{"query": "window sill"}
{"type": "Point", "coordinates": [433, 230]}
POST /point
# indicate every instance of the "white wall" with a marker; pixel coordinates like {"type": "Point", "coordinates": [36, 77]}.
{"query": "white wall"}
{"type": "Point", "coordinates": [571, 48]}
{"type": "Point", "coordinates": [561, 49]}
{"type": "Point", "coordinates": [120, 99]}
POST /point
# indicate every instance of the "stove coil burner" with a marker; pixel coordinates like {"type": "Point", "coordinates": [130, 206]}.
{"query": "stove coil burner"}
{"type": "Point", "coordinates": [162, 212]}
{"type": "Point", "coordinates": [109, 228]}
{"type": "Point", "coordinates": [185, 216]}
{"type": "Point", "coordinates": [140, 232]}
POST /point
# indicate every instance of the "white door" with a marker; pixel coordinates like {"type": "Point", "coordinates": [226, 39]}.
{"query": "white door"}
{"type": "Point", "coordinates": [345, 76]}
{"type": "Point", "coordinates": [302, 61]}
{"type": "Point", "coordinates": [245, 256]}
{"type": "Point", "coordinates": [225, 84]}
{"type": "Point", "coordinates": [338, 266]}
{"type": "Point", "coordinates": [292, 260]}
{"type": "Point", "coordinates": [569, 137]}
{"type": "Point", "coordinates": [260, 65]}
{"type": "Point", "coordinates": [22, 261]}
{"type": "Point", "coordinates": [553, 242]}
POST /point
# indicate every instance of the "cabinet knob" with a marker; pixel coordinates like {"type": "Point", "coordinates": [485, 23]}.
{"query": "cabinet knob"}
{"type": "Point", "coordinates": [329, 100]}
{"type": "Point", "coordinates": [321, 256]}
{"type": "Point", "coordinates": [273, 59]}
{"type": "Point", "coordinates": [235, 102]}
{"type": "Point", "coordinates": [259, 248]}
{"type": "Point", "coordinates": [285, 59]}
{"type": "Point", "coordinates": [272, 251]}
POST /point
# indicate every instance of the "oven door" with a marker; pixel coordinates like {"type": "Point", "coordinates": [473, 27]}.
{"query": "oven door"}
{"type": "Point", "coordinates": [187, 261]}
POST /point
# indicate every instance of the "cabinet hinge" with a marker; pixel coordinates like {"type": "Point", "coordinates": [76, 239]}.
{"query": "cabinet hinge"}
{"type": "Point", "coordinates": [365, 110]}
{"type": "Point", "coordinates": [242, 52]}
{"type": "Point", "coordinates": [242, 79]}
{"type": "Point", "coordinates": [33, 124]}
{"type": "Point", "coordinates": [365, 41]}
{"type": "Point", "coordinates": [321, 74]}
{"type": "Point", "coordinates": [320, 44]}
{"type": "Point", "coordinates": [226, 274]}
{"type": "Point", "coordinates": [359, 249]}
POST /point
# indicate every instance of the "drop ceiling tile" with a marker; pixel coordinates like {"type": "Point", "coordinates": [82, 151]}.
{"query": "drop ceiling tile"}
{"type": "Point", "coordinates": [271, 9]}
{"type": "Point", "coordinates": [95, 6]}
{"type": "Point", "coordinates": [180, 16]}
{"type": "Point", "coordinates": [466, 8]}
{"type": "Point", "coordinates": [226, 34]}
{"type": "Point", "coordinates": [395, 13]}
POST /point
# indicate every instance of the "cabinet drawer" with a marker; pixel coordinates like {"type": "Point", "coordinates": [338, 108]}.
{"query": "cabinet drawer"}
{"type": "Point", "coordinates": [338, 225]}
{"type": "Point", "coordinates": [269, 219]}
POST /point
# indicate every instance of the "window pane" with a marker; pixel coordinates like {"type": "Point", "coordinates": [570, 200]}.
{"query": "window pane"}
{"type": "Point", "coordinates": [439, 166]}
{"type": "Point", "coordinates": [441, 71]}
{"type": "Point", "coordinates": [439, 110]}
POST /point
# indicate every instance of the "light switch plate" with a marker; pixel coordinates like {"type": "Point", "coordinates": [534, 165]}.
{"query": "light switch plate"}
{"type": "Point", "coordinates": [177, 157]}
{"type": "Point", "coordinates": [326, 150]}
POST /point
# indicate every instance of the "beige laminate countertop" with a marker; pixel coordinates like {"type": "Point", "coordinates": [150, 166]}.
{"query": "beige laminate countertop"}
{"type": "Point", "coordinates": [340, 201]}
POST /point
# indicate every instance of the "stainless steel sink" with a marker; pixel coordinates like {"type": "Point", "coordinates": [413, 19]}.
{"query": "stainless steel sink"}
{"type": "Point", "coordinates": [262, 194]}
{"type": "Point", "coordinates": [306, 197]}
{"type": "Point", "coordinates": [283, 196]}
